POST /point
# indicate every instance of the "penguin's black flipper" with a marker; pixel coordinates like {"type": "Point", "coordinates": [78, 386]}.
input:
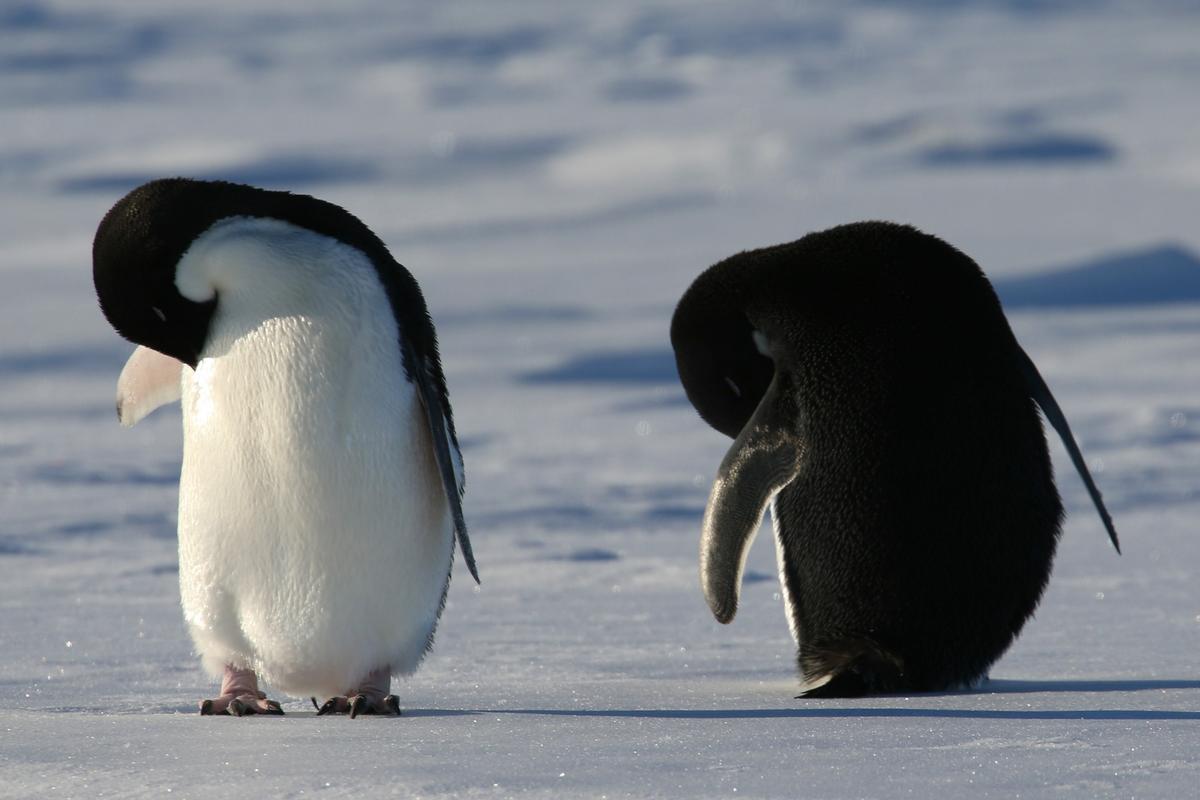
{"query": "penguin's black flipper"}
{"type": "Point", "coordinates": [440, 437]}
{"type": "Point", "coordinates": [765, 457]}
{"type": "Point", "coordinates": [1054, 415]}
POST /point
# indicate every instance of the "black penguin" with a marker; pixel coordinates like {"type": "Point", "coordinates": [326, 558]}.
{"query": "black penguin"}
{"type": "Point", "coordinates": [878, 396]}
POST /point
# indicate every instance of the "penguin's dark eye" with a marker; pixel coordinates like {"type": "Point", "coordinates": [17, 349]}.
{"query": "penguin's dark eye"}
{"type": "Point", "coordinates": [158, 312]}
{"type": "Point", "coordinates": [733, 387]}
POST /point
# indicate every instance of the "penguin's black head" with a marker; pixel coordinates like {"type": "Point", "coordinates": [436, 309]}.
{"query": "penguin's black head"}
{"type": "Point", "coordinates": [141, 240]}
{"type": "Point", "coordinates": [137, 247]}
{"type": "Point", "coordinates": [839, 311]}
{"type": "Point", "coordinates": [722, 370]}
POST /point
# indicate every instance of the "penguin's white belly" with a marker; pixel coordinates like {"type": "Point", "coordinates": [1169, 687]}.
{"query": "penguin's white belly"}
{"type": "Point", "coordinates": [314, 536]}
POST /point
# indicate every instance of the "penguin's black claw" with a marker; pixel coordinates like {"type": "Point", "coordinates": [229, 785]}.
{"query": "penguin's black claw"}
{"type": "Point", "coordinates": [239, 696]}
{"type": "Point", "coordinates": [370, 697]}
{"type": "Point", "coordinates": [334, 705]}
{"type": "Point", "coordinates": [374, 705]}
{"type": "Point", "coordinates": [844, 684]}
{"type": "Point", "coordinates": [852, 667]}
{"type": "Point", "coordinates": [240, 708]}
{"type": "Point", "coordinates": [316, 705]}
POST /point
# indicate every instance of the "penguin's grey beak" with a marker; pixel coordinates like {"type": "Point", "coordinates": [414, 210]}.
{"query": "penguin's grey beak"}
{"type": "Point", "coordinates": [149, 380]}
{"type": "Point", "coordinates": [766, 456]}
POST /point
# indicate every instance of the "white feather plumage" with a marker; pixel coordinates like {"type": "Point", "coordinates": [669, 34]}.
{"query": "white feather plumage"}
{"type": "Point", "coordinates": [788, 606]}
{"type": "Point", "coordinates": [315, 541]}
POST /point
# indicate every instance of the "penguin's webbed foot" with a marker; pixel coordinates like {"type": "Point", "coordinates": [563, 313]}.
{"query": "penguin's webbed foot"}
{"type": "Point", "coordinates": [852, 667]}
{"type": "Point", "coordinates": [371, 697]}
{"type": "Point", "coordinates": [240, 706]}
{"type": "Point", "coordinates": [239, 696]}
{"type": "Point", "coordinates": [387, 705]}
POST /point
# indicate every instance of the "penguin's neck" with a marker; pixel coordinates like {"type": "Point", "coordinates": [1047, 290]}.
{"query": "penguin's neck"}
{"type": "Point", "coordinates": [292, 306]}
{"type": "Point", "coordinates": [260, 268]}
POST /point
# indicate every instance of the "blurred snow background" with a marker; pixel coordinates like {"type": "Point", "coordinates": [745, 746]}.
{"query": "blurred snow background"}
{"type": "Point", "coordinates": [555, 175]}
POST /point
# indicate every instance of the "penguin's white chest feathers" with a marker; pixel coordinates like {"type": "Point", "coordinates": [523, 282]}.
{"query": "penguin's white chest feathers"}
{"type": "Point", "coordinates": [315, 539]}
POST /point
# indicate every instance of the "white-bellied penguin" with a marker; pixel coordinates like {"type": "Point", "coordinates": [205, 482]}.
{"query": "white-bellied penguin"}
{"type": "Point", "coordinates": [881, 406]}
{"type": "Point", "coordinates": [321, 489]}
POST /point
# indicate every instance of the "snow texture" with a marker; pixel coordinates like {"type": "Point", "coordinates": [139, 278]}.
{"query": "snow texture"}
{"type": "Point", "coordinates": [555, 175]}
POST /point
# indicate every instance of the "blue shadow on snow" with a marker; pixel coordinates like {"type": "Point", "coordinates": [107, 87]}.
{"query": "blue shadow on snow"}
{"type": "Point", "coordinates": [1035, 149]}
{"type": "Point", "coordinates": [862, 713]}
{"type": "Point", "coordinates": [285, 171]}
{"type": "Point", "coordinates": [73, 474]}
{"type": "Point", "coordinates": [482, 49]}
{"type": "Point", "coordinates": [699, 31]}
{"type": "Point", "coordinates": [91, 360]}
{"type": "Point", "coordinates": [616, 366]}
{"type": "Point", "coordinates": [559, 224]}
{"type": "Point", "coordinates": [646, 90]}
{"type": "Point", "coordinates": [1163, 274]}
{"type": "Point", "coordinates": [508, 314]}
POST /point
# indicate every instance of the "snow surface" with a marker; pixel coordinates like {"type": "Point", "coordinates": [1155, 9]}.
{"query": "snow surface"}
{"type": "Point", "coordinates": [555, 175]}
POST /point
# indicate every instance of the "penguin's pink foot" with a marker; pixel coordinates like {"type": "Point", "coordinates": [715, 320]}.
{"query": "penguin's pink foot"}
{"type": "Point", "coordinates": [371, 697]}
{"type": "Point", "coordinates": [240, 696]}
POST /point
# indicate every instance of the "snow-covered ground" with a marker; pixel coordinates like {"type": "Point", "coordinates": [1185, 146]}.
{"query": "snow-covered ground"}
{"type": "Point", "coordinates": [555, 175]}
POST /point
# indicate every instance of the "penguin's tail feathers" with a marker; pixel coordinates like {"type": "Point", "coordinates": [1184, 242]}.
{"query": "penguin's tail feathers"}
{"type": "Point", "coordinates": [849, 668]}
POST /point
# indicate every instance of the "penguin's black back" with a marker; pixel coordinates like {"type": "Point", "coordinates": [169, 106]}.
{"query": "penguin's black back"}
{"type": "Point", "coordinates": [919, 534]}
